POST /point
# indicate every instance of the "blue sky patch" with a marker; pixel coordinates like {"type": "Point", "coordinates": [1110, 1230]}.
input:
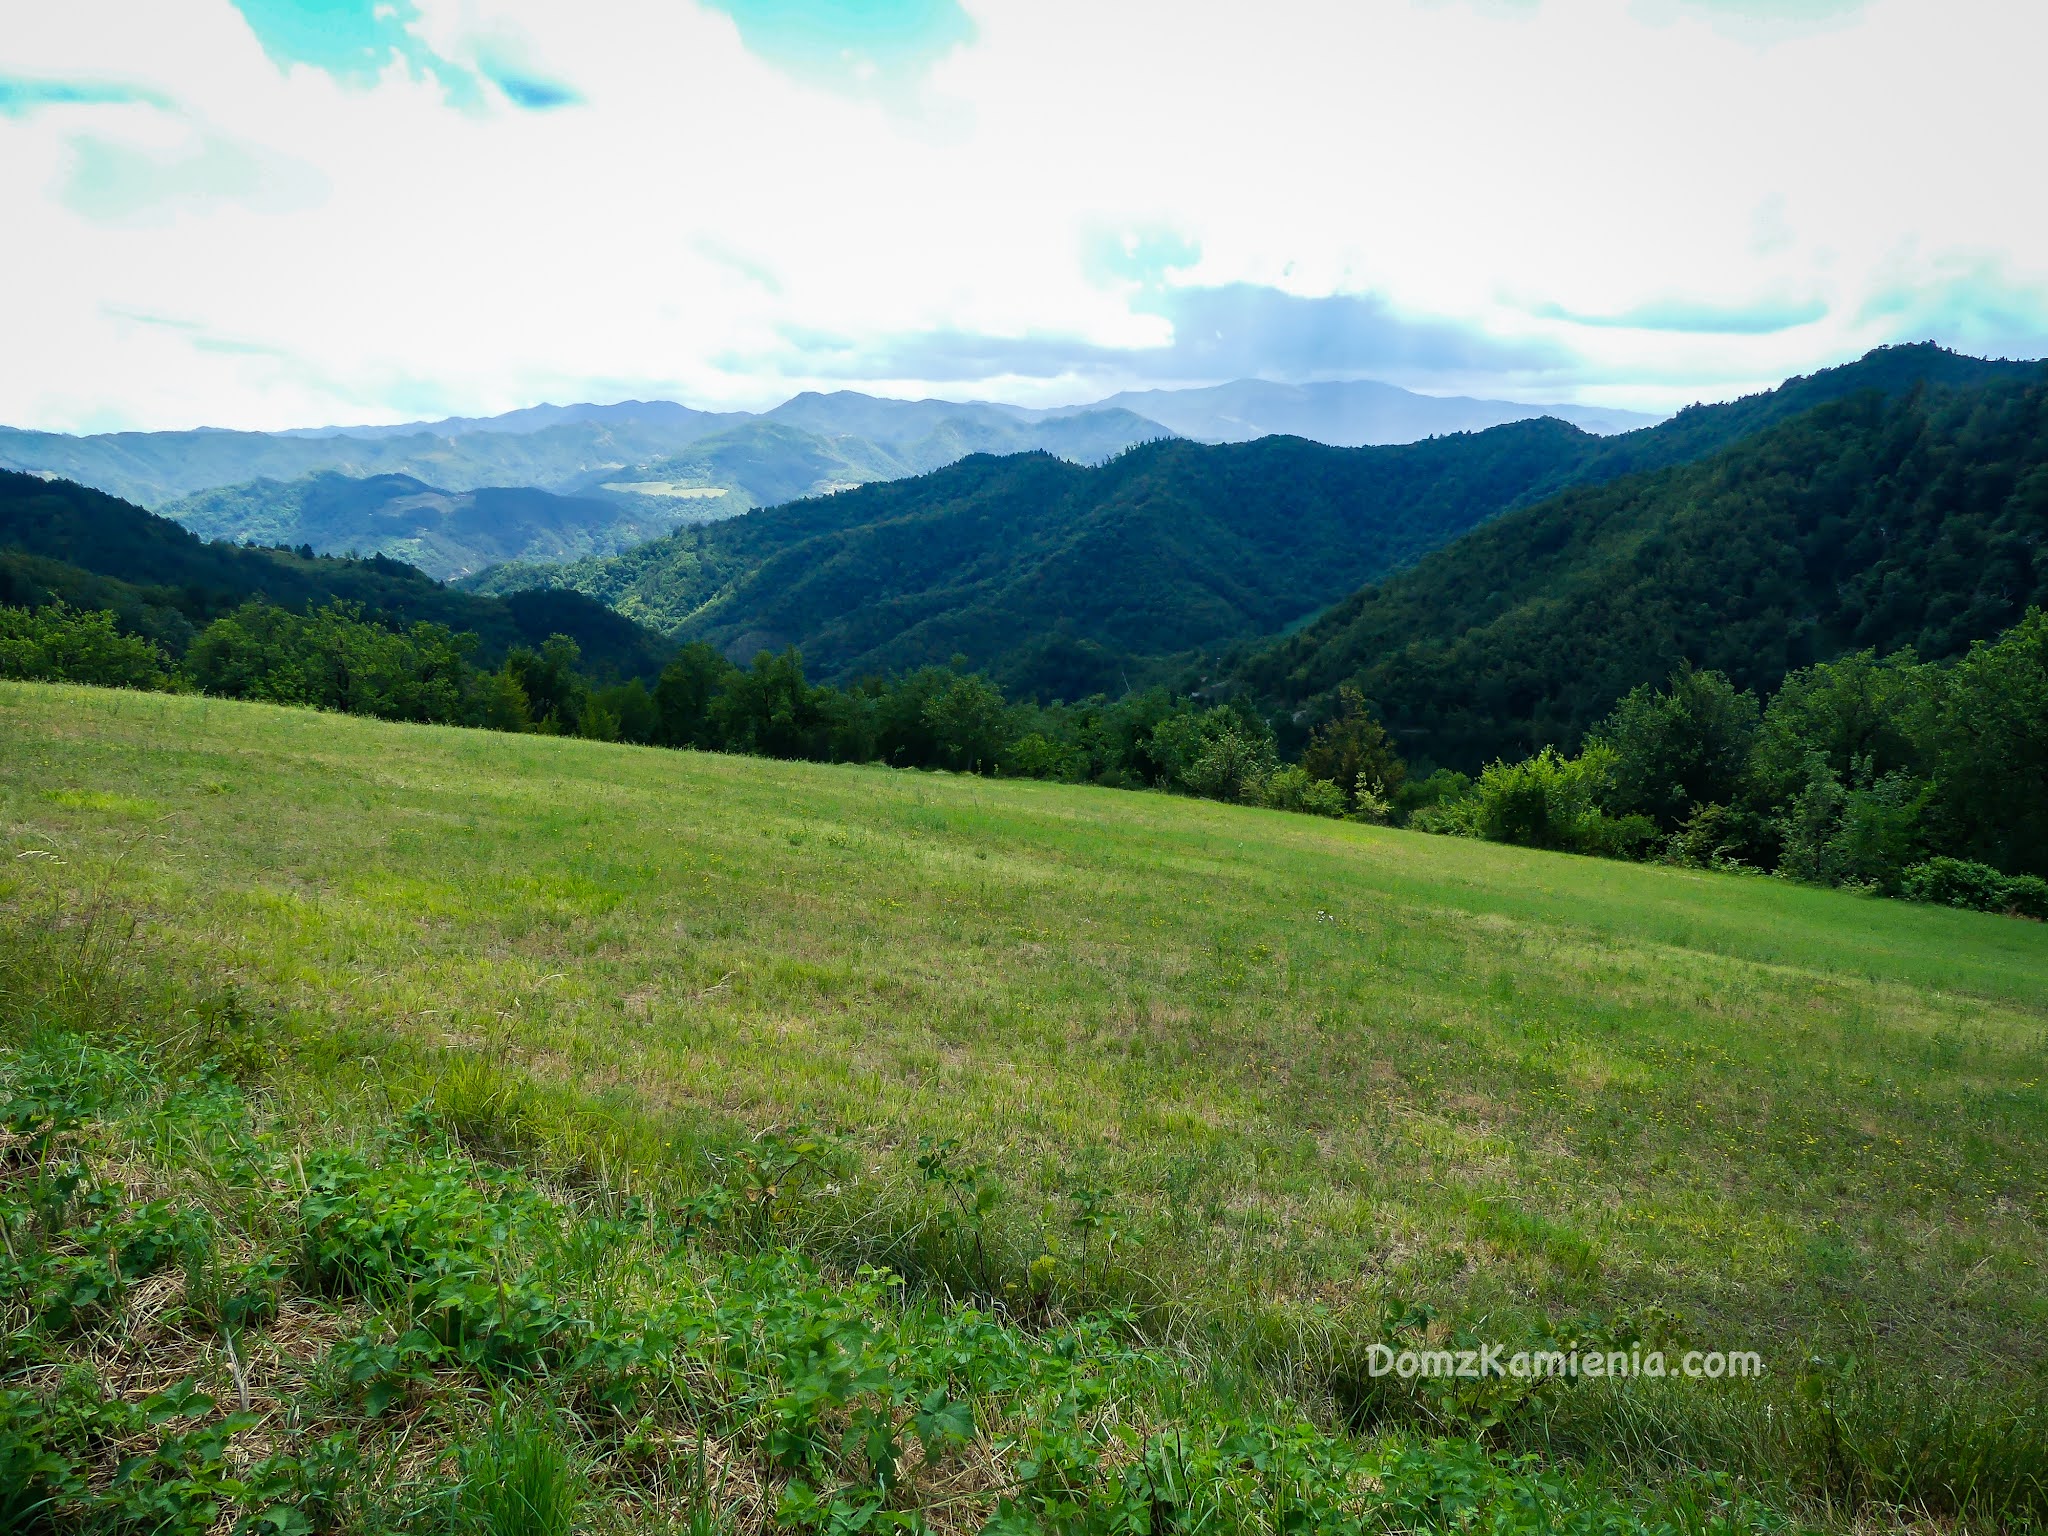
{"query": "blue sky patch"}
{"type": "Point", "coordinates": [19, 97]}
{"type": "Point", "coordinates": [850, 42]}
{"type": "Point", "coordinates": [525, 89]}
{"type": "Point", "coordinates": [352, 40]}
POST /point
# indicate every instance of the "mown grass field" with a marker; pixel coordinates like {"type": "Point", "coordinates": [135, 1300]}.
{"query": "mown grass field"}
{"type": "Point", "coordinates": [1304, 1067]}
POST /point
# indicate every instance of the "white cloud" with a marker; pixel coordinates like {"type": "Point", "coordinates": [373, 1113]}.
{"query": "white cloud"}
{"type": "Point", "coordinates": [330, 251]}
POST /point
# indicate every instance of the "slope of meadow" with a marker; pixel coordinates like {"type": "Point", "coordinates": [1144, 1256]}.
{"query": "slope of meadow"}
{"type": "Point", "coordinates": [1279, 1085]}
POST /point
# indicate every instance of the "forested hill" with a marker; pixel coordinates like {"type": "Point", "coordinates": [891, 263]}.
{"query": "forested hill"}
{"type": "Point", "coordinates": [1878, 521]}
{"type": "Point", "coordinates": [444, 533]}
{"type": "Point", "coordinates": [64, 541]}
{"type": "Point", "coordinates": [1063, 580]}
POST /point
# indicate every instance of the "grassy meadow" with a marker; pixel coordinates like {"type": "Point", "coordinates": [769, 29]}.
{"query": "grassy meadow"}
{"type": "Point", "coordinates": [1262, 1077]}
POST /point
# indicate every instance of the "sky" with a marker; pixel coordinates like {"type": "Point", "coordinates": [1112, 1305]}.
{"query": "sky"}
{"type": "Point", "coordinates": [275, 213]}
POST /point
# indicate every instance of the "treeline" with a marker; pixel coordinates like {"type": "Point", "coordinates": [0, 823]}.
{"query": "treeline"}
{"type": "Point", "coordinates": [1901, 777]}
{"type": "Point", "coordinates": [338, 657]}
{"type": "Point", "coordinates": [61, 542]}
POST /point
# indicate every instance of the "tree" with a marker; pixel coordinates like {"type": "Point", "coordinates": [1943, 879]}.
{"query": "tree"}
{"type": "Point", "coordinates": [1856, 709]}
{"type": "Point", "coordinates": [968, 723]}
{"type": "Point", "coordinates": [684, 693]}
{"type": "Point", "coordinates": [1683, 747]}
{"type": "Point", "coordinates": [554, 693]}
{"type": "Point", "coordinates": [1989, 745]}
{"type": "Point", "coordinates": [769, 709]}
{"type": "Point", "coordinates": [61, 644]}
{"type": "Point", "coordinates": [1354, 752]}
{"type": "Point", "coordinates": [336, 658]}
{"type": "Point", "coordinates": [631, 710]}
{"type": "Point", "coordinates": [906, 733]}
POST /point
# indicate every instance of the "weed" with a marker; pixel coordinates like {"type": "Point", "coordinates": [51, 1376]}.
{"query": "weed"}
{"type": "Point", "coordinates": [519, 1480]}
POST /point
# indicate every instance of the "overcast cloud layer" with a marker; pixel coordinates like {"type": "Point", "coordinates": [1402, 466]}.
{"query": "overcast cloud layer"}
{"type": "Point", "coordinates": [267, 215]}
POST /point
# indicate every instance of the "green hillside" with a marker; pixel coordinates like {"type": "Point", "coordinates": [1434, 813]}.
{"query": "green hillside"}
{"type": "Point", "coordinates": [1062, 581]}
{"type": "Point", "coordinates": [63, 542]}
{"type": "Point", "coordinates": [1915, 519]}
{"type": "Point", "coordinates": [443, 533]}
{"type": "Point", "coordinates": [1283, 1087]}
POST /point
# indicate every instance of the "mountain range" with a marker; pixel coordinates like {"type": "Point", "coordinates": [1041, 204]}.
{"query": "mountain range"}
{"type": "Point", "coordinates": [1063, 579]}
{"type": "Point", "coordinates": [1909, 512]}
{"type": "Point", "coordinates": [638, 469]}
{"type": "Point", "coordinates": [60, 541]}
{"type": "Point", "coordinates": [1486, 591]}
{"type": "Point", "coordinates": [1345, 413]}
{"type": "Point", "coordinates": [444, 533]}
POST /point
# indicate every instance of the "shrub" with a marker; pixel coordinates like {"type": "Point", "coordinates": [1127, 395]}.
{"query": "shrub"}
{"type": "Point", "coordinates": [60, 644]}
{"type": "Point", "coordinates": [1977, 887]}
{"type": "Point", "coordinates": [1371, 806]}
{"type": "Point", "coordinates": [1553, 801]}
{"type": "Point", "coordinates": [1036, 756]}
{"type": "Point", "coordinates": [1719, 837]}
{"type": "Point", "coordinates": [1215, 754]}
{"type": "Point", "coordinates": [1455, 817]}
{"type": "Point", "coordinates": [1866, 835]}
{"type": "Point", "coordinates": [1295, 789]}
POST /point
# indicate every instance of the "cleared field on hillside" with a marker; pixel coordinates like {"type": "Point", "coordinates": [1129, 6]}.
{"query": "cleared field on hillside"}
{"type": "Point", "coordinates": [1307, 1062]}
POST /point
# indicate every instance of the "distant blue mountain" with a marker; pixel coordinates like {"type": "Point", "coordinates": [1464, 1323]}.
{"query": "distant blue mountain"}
{"type": "Point", "coordinates": [640, 468]}
{"type": "Point", "coordinates": [1347, 413]}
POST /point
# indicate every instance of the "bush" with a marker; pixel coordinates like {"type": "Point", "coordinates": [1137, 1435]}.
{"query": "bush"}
{"type": "Point", "coordinates": [60, 644]}
{"type": "Point", "coordinates": [1976, 887]}
{"type": "Point", "coordinates": [1295, 789]}
{"type": "Point", "coordinates": [1719, 837]}
{"type": "Point", "coordinates": [1553, 801]}
{"type": "Point", "coordinates": [1036, 756]}
{"type": "Point", "coordinates": [1448, 818]}
{"type": "Point", "coordinates": [1215, 754]}
{"type": "Point", "coordinates": [337, 658]}
{"type": "Point", "coordinates": [1863, 836]}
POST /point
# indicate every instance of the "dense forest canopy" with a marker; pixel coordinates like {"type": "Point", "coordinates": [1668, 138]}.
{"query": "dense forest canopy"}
{"type": "Point", "coordinates": [1061, 581]}
{"type": "Point", "coordinates": [60, 541]}
{"type": "Point", "coordinates": [1915, 520]}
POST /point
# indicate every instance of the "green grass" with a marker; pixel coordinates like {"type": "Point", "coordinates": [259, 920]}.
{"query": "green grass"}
{"type": "Point", "coordinates": [375, 1332]}
{"type": "Point", "coordinates": [1300, 1070]}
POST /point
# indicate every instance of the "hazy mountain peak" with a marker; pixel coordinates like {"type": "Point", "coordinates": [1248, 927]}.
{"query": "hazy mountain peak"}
{"type": "Point", "coordinates": [1346, 412]}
